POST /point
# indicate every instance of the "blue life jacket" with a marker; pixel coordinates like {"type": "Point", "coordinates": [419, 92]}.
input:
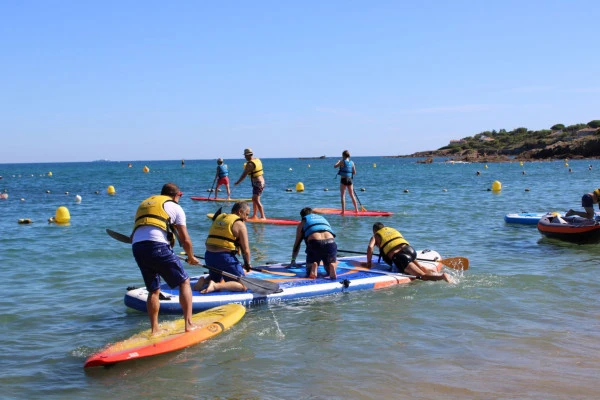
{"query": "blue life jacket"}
{"type": "Point", "coordinates": [315, 223]}
{"type": "Point", "coordinates": [223, 171]}
{"type": "Point", "coordinates": [346, 169]}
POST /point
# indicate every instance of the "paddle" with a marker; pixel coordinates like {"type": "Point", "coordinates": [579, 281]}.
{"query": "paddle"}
{"type": "Point", "coordinates": [458, 263]}
{"type": "Point", "coordinates": [258, 286]}
{"type": "Point", "coordinates": [211, 188]}
{"type": "Point", "coordinates": [376, 271]}
{"type": "Point", "coordinates": [362, 208]}
{"type": "Point", "coordinates": [126, 239]}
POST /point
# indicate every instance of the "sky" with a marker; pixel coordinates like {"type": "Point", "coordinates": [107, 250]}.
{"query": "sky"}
{"type": "Point", "coordinates": [167, 80]}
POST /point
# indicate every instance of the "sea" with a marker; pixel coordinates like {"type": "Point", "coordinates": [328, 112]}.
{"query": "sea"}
{"type": "Point", "coordinates": [522, 322]}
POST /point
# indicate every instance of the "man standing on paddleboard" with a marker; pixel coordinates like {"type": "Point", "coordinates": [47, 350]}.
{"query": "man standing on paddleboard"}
{"type": "Point", "coordinates": [227, 236]}
{"type": "Point", "coordinates": [398, 253]}
{"type": "Point", "coordinates": [347, 170]}
{"type": "Point", "coordinates": [320, 244]}
{"type": "Point", "coordinates": [255, 170]}
{"type": "Point", "coordinates": [223, 178]}
{"type": "Point", "coordinates": [158, 220]}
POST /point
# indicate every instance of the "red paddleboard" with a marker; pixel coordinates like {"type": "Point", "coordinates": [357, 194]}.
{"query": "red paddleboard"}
{"type": "Point", "coordinates": [197, 198]}
{"type": "Point", "coordinates": [210, 323]}
{"type": "Point", "coordinates": [267, 220]}
{"type": "Point", "coordinates": [352, 213]}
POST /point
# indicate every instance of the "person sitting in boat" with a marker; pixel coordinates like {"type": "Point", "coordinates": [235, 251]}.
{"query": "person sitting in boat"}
{"type": "Point", "coordinates": [587, 202]}
{"type": "Point", "coordinates": [223, 178]}
{"type": "Point", "coordinates": [320, 244]}
{"type": "Point", "coordinates": [227, 236]}
{"type": "Point", "coordinates": [398, 253]}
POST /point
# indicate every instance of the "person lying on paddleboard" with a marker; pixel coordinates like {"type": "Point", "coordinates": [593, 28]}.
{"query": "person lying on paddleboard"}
{"type": "Point", "coordinates": [320, 244]}
{"type": "Point", "coordinates": [157, 221]}
{"type": "Point", "coordinates": [226, 237]}
{"type": "Point", "coordinates": [587, 202]}
{"type": "Point", "coordinates": [223, 178]}
{"type": "Point", "coordinates": [347, 170]}
{"type": "Point", "coordinates": [254, 168]}
{"type": "Point", "coordinates": [398, 253]}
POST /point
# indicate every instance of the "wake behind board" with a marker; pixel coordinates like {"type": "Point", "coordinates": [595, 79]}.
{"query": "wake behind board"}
{"type": "Point", "coordinates": [272, 221]}
{"type": "Point", "coordinates": [350, 278]}
{"type": "Point", "coordinates": [352, 213]}
{"type": "Point", "coordinates": [210, 323]}
{"type": "Point", "coordinates": [199, 198]}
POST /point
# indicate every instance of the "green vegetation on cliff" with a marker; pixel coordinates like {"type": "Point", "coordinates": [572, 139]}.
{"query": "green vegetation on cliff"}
{"type": "Point", "coordinates": [560, 141]}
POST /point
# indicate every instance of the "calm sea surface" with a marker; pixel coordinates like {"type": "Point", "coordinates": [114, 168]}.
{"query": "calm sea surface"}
{"type": "Point", "coordinates": [522, 323]}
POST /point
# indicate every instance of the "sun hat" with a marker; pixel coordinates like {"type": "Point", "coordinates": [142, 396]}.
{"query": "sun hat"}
{"type": "Point", "coordinates": [248, 152]}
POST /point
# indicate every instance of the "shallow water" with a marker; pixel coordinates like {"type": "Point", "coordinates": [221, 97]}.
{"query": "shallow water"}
{"type": "Point", "coordinates": [520, 323]}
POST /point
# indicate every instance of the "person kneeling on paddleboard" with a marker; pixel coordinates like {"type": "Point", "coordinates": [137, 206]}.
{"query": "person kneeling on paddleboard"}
{"type": "Point", "coordinates": [587, 202]}
{"type": "Point", "coordinates": [157, 221]}
{"type": "Point", "coordinates": [320, 244]}
{"type": "Point", "coordinates": [226, 237]}
{"type": "Point", "coordinates": [398, 253]}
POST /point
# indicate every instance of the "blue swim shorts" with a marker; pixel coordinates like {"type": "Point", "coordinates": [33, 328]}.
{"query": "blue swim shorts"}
{"type": "Point", "coordinates": [225, 261]}
{"type": "Point", "coordinates": [320, 250]}
{"type": "Point", "coordinates": [157, 260]}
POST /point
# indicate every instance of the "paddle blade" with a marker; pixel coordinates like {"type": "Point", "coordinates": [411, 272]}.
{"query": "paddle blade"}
{"type": "Point", "coordinates": [458, 263]}
{"type": "Point", "coordinates": [259, 286]}
{"type": "Point", "coordinates": [118, 236]}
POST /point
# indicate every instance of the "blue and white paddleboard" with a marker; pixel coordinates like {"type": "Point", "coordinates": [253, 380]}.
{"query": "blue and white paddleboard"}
{"type": "Point", "coordinates": [350, 277]}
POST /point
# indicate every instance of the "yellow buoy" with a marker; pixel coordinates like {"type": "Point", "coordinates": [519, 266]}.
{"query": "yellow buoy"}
{"type": "Point", "coordinates": [299, 187]}
{"type": "Point", "coordinates": [496, 186]}
{"type": "Point", "coordinates": [50, 173]}
{"type": "Point", "coordinates": [374, 165]}
{"type": "Point", "coordinates": [521, 163]}
{"type": "Point", "coordinates": [486, 166]}
{"type": "Point", "coordinates": [566, 164]}
{"type": "Point", "coordinates": [62, 215]}
{"type": "Point", "coordinates": [146, 169]}
{"type": "Point", "coordinates": [110, 190]}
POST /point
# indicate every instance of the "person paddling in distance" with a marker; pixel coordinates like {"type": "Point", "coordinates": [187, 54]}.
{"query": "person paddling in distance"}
{"type": "Point", "coordinates": [254, 168]}
{"type": "Point", "coordinates": [347, 170]}
{"type": "Point", "coordinates": [223, 178]}
{"type": "Point", "coordinates": [587, 202]}
{"type": "Point", "coordinates": [226, 237]}
{"type": "Point", "coordinates": [158, 220]}
{"type": "Point", "coordinates": [398, 253]}
{"type": "Point", "coordinates": [320, 244]}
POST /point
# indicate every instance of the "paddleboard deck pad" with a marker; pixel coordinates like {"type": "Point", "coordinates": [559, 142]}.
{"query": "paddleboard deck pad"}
{"type": "Point", "coordinates": [199, 198]}
{"type": "Point", "coordinates": [272, 221]}
{"type": "Point", "coordinates": [295, 287]}
{"type": "Point", "coordinates": [352, 213]}
{"type": "Point", "coordinates": [210, 323]}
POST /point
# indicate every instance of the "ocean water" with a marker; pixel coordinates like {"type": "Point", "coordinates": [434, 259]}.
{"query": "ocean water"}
{"type": "Point", "coordinates": [522, 322]}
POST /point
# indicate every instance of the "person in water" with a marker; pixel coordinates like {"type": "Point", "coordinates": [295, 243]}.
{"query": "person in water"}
{"type": "Point", "coordinates": [399, 254]}
{"type": "Point", "coordinates": [227, 236]}
{"type": "Point", "coordinates": [320, 244]}
{"type": "Point", "coordinates": [587, 202]}
{"type": "Point", "coordinates": [347, 170]}
{"type": "Point", "coordinates": [255, 170]}
{"type": "Point", "coordinates": [157, 221]}
{"type": "Point", "coordinates": [223, 178]}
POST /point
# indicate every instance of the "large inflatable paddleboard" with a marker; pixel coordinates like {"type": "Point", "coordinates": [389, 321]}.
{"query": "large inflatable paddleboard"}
{"type": "Point", "coordinates": [199, 198]}
{"type": "Point", "coordinates": [210, 323]}
{"type": "Point", "coordinates": [351, 276]}
{"type": "Point", "coordinates": [352, 213]}
{"type": "Point", "coordinates": [273, 221]}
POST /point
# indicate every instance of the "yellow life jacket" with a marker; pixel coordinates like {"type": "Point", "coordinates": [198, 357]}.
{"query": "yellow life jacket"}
{"type": "Point", "coordinates": [258, 168]}
{"type": "Point", "coordinates": [390, 238]}
{"type": "Point", "coordinates": [152, 212]}
{"type": "Point", "coordinates": [220, 233]}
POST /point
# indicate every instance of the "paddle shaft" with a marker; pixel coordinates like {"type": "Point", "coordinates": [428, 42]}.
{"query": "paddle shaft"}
{"type": "Point", "coordinates": [458, 263]}
{"type": "Point", "coordinates": [211, 188]}
{"type": "Point", "coordinates": [375, 271]}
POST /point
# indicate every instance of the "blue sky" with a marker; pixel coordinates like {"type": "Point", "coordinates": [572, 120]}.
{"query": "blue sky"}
{"type": "Point", "coordinates": [144, 80]}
